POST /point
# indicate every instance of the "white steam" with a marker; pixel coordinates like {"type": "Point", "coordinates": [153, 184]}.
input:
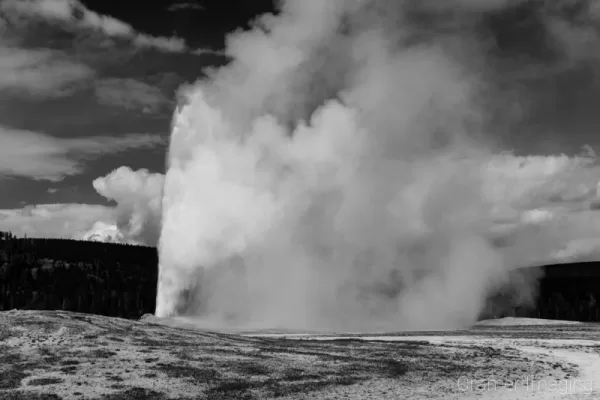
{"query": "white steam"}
{"type": "Point", "coordinates": [138, 197]}
{"type": "Point", "coordinates": [333, 175]}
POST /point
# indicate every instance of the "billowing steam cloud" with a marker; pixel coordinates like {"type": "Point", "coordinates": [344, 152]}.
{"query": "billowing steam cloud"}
{"type": "Point", "coordinates": [333, 175]}
{"type": "Point", "coordinates": [138, 197]}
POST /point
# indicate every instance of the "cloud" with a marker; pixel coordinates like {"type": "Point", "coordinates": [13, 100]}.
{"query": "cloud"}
{"type": "Point", "coordinates": [130, 94]}
{"type": "Point", "coordinates": [74, 13]}
{"type": "Point", "coordinates": [578, 230]}
{"type": "Point", "coordinates": [135, 218]}
{"type": "Point", "coordinates": [202, 52]}
{"type": "Point", "coordinates": [186, 5]}
{"type": "Point", "coordinates": [40, 58]}
{"type": "Point", "coordinates": [537, 216]}
{"type": "Point", "coordinates": [544, 206]}
{"type": "Point", "coordinates": [578, 250]}
{"type": "Point", "coordinates": [103, 232]}
{"type": "Point", "coordinates": [138, 195]}
{"type": "Point", "coordinates": [524, 182]}
{"type": "Point", "coordinates": [36, 72]}
{"type": "Point", "coordinates": [65, 221]}
{"type": "Point", "coordinates": [42, 157]}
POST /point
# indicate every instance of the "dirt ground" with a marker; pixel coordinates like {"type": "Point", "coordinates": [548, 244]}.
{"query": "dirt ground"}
{"type": "Point", "coordinates": [62, 355]}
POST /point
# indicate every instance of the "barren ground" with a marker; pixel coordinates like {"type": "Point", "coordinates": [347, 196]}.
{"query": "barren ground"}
{"type": "Point", "coordinates": [61, 355]}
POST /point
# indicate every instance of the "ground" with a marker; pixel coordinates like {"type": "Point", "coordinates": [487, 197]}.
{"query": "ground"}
{"type": "Point", "coordinates": [62, 355]}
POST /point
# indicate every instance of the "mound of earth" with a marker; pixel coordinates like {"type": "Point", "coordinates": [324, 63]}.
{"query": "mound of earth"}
{"type": "Point", "coordinates": [63, 355]}
{"type": "Point", "coordinates": [512, 321]}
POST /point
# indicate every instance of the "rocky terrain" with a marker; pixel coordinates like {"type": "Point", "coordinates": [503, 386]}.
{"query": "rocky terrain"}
{"type": "Point", "coordinates": [65, 355]}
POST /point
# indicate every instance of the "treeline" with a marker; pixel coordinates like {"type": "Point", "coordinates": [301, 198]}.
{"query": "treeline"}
{"type": "Point", "coordinates": [571, 296]}
{"type": "Point", "coordinates": [566, 291]}
{"type": "Point", "coordinates": [557, 305]}
{"type": "Point", "coordinates": [121, 280]}
{"type": "Point", "coordinates": [550, 304]}
{"type": "Point", "coordinates": [92, 277]}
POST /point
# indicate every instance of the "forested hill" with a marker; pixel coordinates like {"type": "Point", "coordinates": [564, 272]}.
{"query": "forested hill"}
{"type": "Point", "coordinates": [101, 278]}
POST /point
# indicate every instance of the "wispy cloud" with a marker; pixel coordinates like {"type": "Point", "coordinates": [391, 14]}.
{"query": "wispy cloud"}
{"type": "Point", "coordinates": [42, 157]}
{"type": "Point", "coordinates": [39, 72]}
{"type": "Point", "coordinates": [74, 13]}
{"type": "Point", "coordinates": [131, 94]}
{"type": "Point", "coordinates": [532, 181]}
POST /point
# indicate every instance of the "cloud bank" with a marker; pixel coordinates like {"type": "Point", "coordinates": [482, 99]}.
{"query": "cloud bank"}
{"type": "Point", "coordinates": [346, 171]}
{"type": "Point", "coordinates": [61, 221]}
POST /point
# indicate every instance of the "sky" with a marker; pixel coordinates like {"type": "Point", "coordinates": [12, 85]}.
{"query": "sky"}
{"type": "Point", "coordinates": [88, 90]}
{"type": "Point", "coordinates": [87, 87]}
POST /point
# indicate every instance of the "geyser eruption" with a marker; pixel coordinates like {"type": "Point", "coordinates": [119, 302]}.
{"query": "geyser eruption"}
{"type": "Point", "coordinates": [331, 176]}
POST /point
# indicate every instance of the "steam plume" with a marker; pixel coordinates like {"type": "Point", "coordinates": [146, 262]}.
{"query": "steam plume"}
{"type": "Point", "coordinates": [332, 176]}
{"type": "Point", "coordinates": [138, 195]}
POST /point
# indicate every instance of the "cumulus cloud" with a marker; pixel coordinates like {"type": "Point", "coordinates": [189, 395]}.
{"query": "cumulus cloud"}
{"type": "Point", "coordinates": [104, 232]}
{"type": "Point", "coordinates": [42, 157]}
{"type": "Point", "coordinates": [135, 219]}
{"type": "Point", "coordinates": [74, 13]}
{"type": "Point", "coordinates": [138, 197]}
{"type": "Point", "coordinates": [65, 221]}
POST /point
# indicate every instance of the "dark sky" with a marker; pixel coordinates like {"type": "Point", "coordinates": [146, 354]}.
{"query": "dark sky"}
{"type": "Point", "coordinates": [204, 23]}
